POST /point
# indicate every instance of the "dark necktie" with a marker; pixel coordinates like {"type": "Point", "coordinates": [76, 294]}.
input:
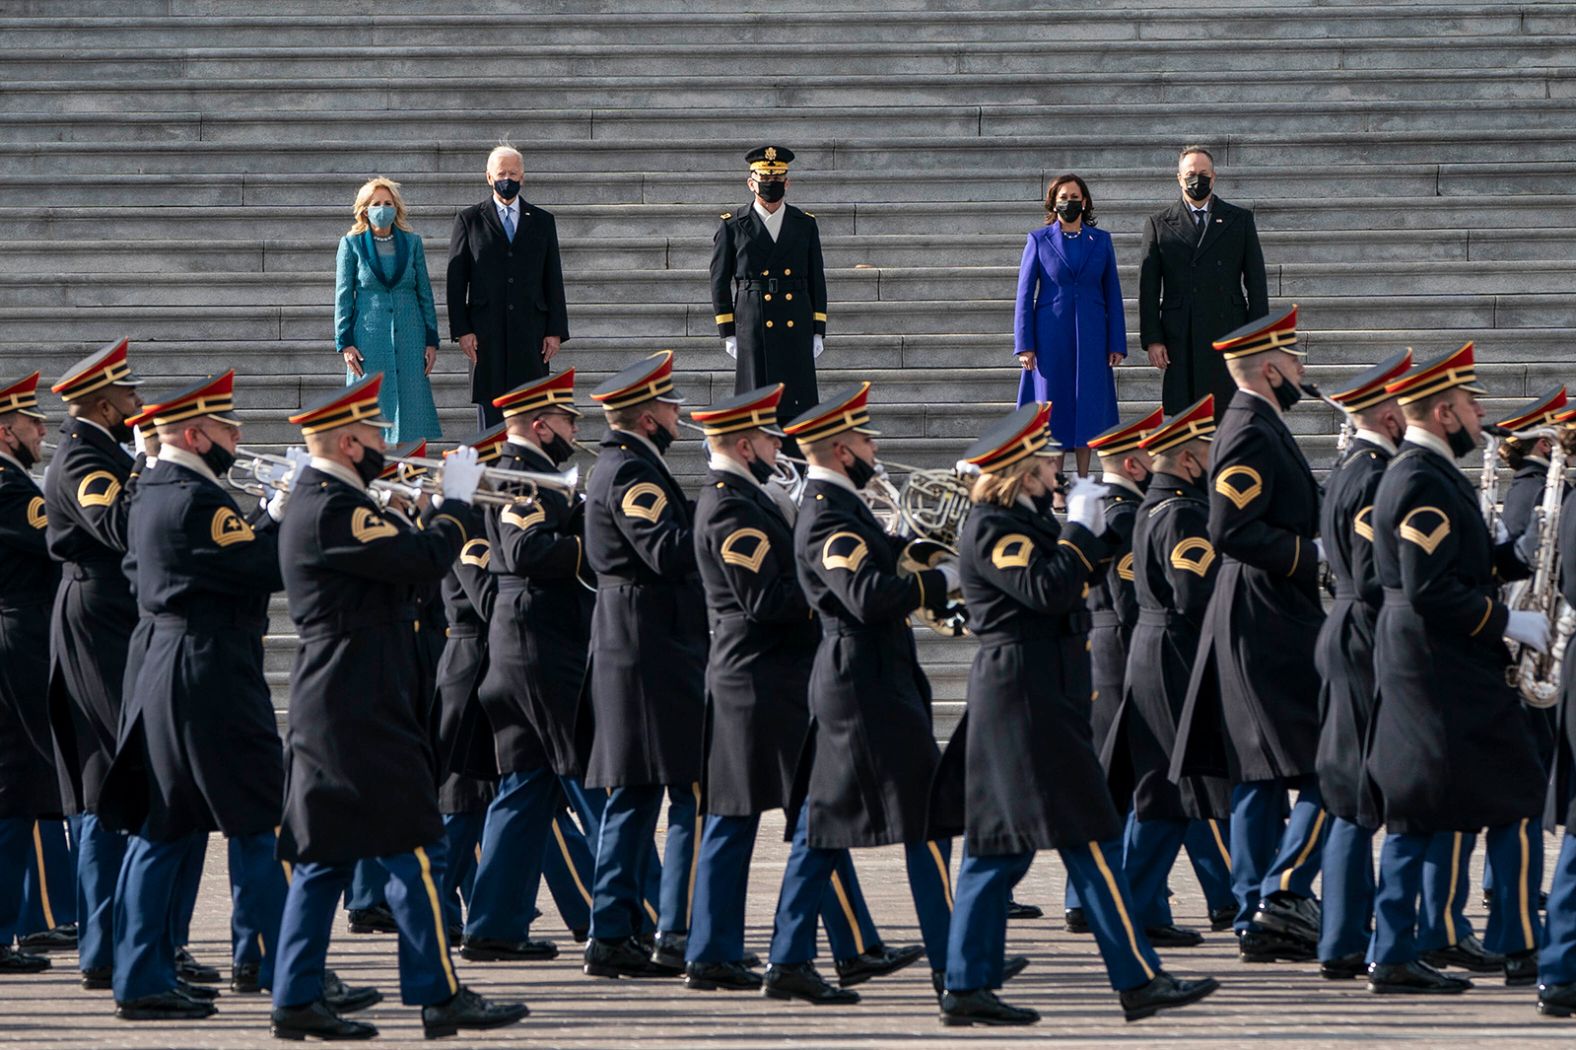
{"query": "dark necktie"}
{"type": "Point", "coordinates": [1200, 221]}
{"type": "Point", "coordinates": [508, 225]}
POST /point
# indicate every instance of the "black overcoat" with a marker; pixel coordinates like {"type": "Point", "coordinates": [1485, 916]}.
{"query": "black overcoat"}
{"type": "Point", "coordinates": [28, 581]}
{"type": "Point", "coordinates": [462, 740]}
{"type": "Point", "coordinates": [1113, 607]}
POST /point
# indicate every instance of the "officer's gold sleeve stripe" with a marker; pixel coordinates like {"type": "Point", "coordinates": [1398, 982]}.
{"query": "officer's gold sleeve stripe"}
{"type": "Point", "coordinates": [438, 922]}
{"type": "Point", "coordinates": [1307, 848]}
{"type": "Point", "coordinates": [724, 318]}
{"type": "Point", "coordinates": [1296, 556]}
{"type": "Point", "coordinates": [1487, 612]}
{"type": "Point", "coordinates": [1523, 891]}
{"type": "Point", "coordinates": [946, 876]}
{"type": "Point", "coordinates": [1070, 545]}
{"type": "Point", "coordinates": [1121, 907]}
{"type": "Point", "coordinates": [569, 861]}
{"type": "Point", "coordinates": [1449, 902]}
{"type": "Point", "coordinates": [43, 879]}
{"type": "Point", "coordinates": [820, 317]}
{"type": "Point", "coordinates": [848, 913]}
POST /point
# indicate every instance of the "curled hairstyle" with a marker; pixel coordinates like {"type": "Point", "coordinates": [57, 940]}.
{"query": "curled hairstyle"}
{"type": "Point", "coordinates": [1083, 187]}
{"type": "Point", "coordinates": [364, 198]}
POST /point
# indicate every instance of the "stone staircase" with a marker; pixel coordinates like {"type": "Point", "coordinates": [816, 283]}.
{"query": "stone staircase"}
{"type": "Point", "coordinates": [180, 173]}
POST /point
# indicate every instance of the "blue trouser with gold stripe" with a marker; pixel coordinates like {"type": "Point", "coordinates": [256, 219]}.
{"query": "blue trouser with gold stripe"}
{"type": "Point", "coordinates": [568, 868]}
{"type": "Point", "coordinates": [259, 882]}
{"type": "Point", "coordinates": [503, 897]}
{"type": "Point", "coordinates": [1349, 891]}
{"type": "Point", "coordinates": [149, 901]}
{"type": "Point", "coordinates": [1271, 855]}
{"type": "Point", "coordinates": [426, 972]}
{"type": "Point", "coordinates": [1514, 926]}
{"type": "Point", "coordinates": [808, 878]}
{"type": "Point", "coordinates": [623, 859]}
{"type": "Point", "coordinates": [717, 929]}
{"type": "Point", "coordinates": [1557, 960]}
{"type": "Point", "coordinates": [1447, 883]}
{"type": "Point", "coordinates": [462, 836]}
{"type": "Point", "coordinates": [49, 892]}
{"type": "Point", "coordinates": [100, 853]}
{"type": "Point", "coordinates": [1150, 848]}
{"type": "Point", "coordinates": [16, 853]}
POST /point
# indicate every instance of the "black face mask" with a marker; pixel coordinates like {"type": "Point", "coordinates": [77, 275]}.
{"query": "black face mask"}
{"type": "Point", "coordinates": [663, 438]}
{"type": "Point", "coordinates": [1143, 483]}
{"type": "Point", "coordinates": [23, 455]}
{"type": "Point", "coordinates": [1070, 211]}
{"type": "Point", "coordinates": [1287, 394]}
{"type": "Point", "coordinates": [218, 458]}
{"type": "Point", "coordinates": [860, 472]}
{"type": "Point", "coordinates": [1460, 441]}
{"type": "Point", "coordinates": [370, 465]}
{"type": "Point", "coordinates": [1044, 503]}
{"type": "Point", "coordinates": [771, 192]}
{"type": "Point", "coordinates": [1198, 187]}
{"type": "Point", "coordinates": [122, 432]}
{"type": "Point", "coordinates": [761, 470]}
{"type": "Point", "coordinates": [506, 189]}
{"type": "Point", "coordinates": [559, 450]}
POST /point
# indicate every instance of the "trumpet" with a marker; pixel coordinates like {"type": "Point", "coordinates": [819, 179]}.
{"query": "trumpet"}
{"type": "Point", "coordinates": [510, 487]}
{"type": "Point", "coordinates": [258, 473]}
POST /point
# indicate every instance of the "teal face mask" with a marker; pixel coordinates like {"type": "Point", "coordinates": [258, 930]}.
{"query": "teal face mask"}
{"type": "Point", "coordinates": [381, 216]}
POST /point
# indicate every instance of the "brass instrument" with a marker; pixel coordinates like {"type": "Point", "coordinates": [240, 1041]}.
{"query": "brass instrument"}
{"type": "Point", "coordinates": [259, 473]}
{"type": "Point", "coordinates": [931, 506]}
{"type": "Point", "coordinates": [1348, 427]}
{"type": "Point", "coordinates": [510, 487]}
{"type": "Point", "coordinates": [1537, 675]}
{"type": "Point", "coordinates": [1488, 480]}
{"type": "Point", "coordinates": [788, 472]}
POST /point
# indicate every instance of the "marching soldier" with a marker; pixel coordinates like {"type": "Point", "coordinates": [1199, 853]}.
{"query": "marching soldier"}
{"type": "Point", "coordinates": [757, 676]}
{"type": "Point", "coordinates": [1345, 658]}
{"type": "Point", "coordinates": [864, 774]}
{"type": "Point", "coordinates": [87, 493]}
{"type": "Point", "coordinates": [1020, 772]}
{"type": "Point", "coordinates": [28, 581]}
{"type": "Point", "coordinates": [1528, 456]}
{"type": "Point", "coordinates": [645, 686]}
{"type": "Point", "coordinates": [1451, 749]}
{"type": "Point", "coordinates": [359, 781]}
{"type": "Point", "coordinates": [768, 286]}
{"type": "Point", "coordinates": [1252, 706]}
{"type": "Point", "coordinates": [1174, 567]}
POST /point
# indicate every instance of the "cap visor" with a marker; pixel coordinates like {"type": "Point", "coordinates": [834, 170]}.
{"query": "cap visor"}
{"type": "Point", "coordinates": [31, 414]}
{"type": "Point", "coordinates": [1293, 351]}
{"type": "Point", "coordinates": [128, 381]}
{"type": "Point", "coordinates": [381, 424]}
{"type": "Point", "coordinates": [872, 431]}
{"type": "Point", "coordinates": [1473, 388]}
{"type": "Point", "coordinates": [227, 420]}
{"type": "Point", "coordinates": [775, 432]}
{"type": "Point", "coordinates": [672, 398]}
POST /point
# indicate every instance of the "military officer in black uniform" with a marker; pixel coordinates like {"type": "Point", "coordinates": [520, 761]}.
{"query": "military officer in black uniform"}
{"type": "Point", "coordinates": [28, 580]}
{"type": "Point", "coordinates": [359, 778]}
{"type": "Point", "coordinates": [1345, 658]}
{"type": "Point", "coordinates": [1451, 748]}
{"type": "Point", "coordinates": [1252, 708]}
{"type": "Point", "coordinates": [757, 676]}
{"type": "Point", "coordinates": [1020, 772]}
{"type": "Point", "coordinates": [645, 686]}
{"type": "Point", "coordinates": [768, 286]}
{"type": "Point", "coordinates": [87, 493]}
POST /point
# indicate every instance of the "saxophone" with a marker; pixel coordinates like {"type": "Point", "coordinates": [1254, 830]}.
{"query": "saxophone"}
{"type": "Point", "coordinates": [1537, 675]}
{"type": "Point", "coordinates": [1488, 480]}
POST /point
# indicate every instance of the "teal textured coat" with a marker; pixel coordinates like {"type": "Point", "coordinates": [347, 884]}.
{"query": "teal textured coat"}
{"type": "Point", "coordinates": [391, 320]}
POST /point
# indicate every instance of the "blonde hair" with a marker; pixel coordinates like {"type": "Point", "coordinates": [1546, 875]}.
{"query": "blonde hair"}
{"type": "Point", "coordinates": [1002, 488]}
{"type": "Point", "coordinates": [364, 197]}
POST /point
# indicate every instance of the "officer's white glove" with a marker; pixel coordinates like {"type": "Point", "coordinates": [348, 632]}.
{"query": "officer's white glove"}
{"type": "Point", "coordinates": [1529, 628]}
{"type": "Point", "coordinates": [461, 474]}
{"type": "Point", "coordinates": [1501, 533]}
{"type": "Point", "coordinates": [730, 346]}
{"type": "Point", "coordinates": [1084, 505]}
{"type": "Point", "coordinates": [949, 569]}
{"type": "Point", "coordinates": [820, 345]}
{"type": "Point", "coordinates": [299, 460]}
{"type": "Point", "coordinates": [1318, 546]}
{"type": "Point", "coordinates": [276, 505]}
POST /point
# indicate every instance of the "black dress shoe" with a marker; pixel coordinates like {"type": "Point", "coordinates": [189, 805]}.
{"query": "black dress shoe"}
{"type": "Point", "coordinates": [626, 958]}
{"type": "Point", "coordinates": [1521, 969]}
{"type": "Point", "coordinates": [468, 1010]}
{"type": "Point", "coordinates": [347, 999]}
{"type": "Point", "coordinates": [189, 969]}
{"type": "Point", "coordinates": [244, 978]}
{"type": "Point", "coordinates": [751, 961]}
{"type": "Point", "coordinates": [1466, 954]}
{"type": "Point", "coordinates": [1262, 946]}
{"type": "Point", "coordinates": [1346, 968]}
{"type": "Point", "coordinates": [376, 919]}
{"type": "Point", "coordinates": [667, 954]}
{"type": "Point", "coordinates": [724, 976]}
{"type": "Point", "coordinates": [60, 939]}
{"type": "Point", "coordinates": [1557, 1000]}
{"type": "Point", "coordinates": [1164, 992]}
{"type": "Point", "coordinates": [201, 992]}
{"type": "Point", "coordinates": [166, 1006]}
{"type": "Point", "coordinates": [801, 981]}
{"type": "Point", "coordinates": [580, 935]}
{"type": "Point", "coordinates": [1413, 978]}
{"type": "Point", "coordinates": [98, 979]}
{"type": "Point", "coordinates": [876, 962]}
{"type": "Point", "coordinates": [1292, 916]}
{"type": "Point", "coordinates": [1012, 966]}
{"type": "Point", "coordinates": [1023, 911]}
{"type": "Point", "coordinates": [13, 961]}
{"type": "Point", "coordinates": [316, 1021]}
{"type": "Point", "coordinates": [1173, 936]}
{"type": "Point", "coordinates": [1076, 920]}
{"type": "Point", "coordinates": [960, 1009]}
{"type": "Point", "coordinates": [487, 949]}
{"type": "Point", "coordinates": [1223, 919]}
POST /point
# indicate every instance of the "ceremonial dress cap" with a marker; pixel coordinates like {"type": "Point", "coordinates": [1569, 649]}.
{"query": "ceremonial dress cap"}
{"type": "Point", "coordinates": [769, 160]}
{"type": "Point", "coordinates": [548, 392]}
{"type": "Point", "coordinates": [650, 378]}
{"type": "Point", "coordinates": [1275, 332]}
{"type": "Point", "coordinates": [1368, 389]}
{"type": "Point", "coordinates": [1196, 422]}
{"type": "Point", "coordinates": [1025, 433]}
{"type": "Point", "coordinates": [848, 409]}
{"type": "Point", "coordinates": [405, 450]}
{"type": "Point", "coordinates": [488, 444]}
{"type": "Point", "coordinates": [1124, 437]}
{"type": "Point", "coordinates": [1454, 369]}
{"type": "Point", "coordinates": [754, 410]}
{"type": "Point", "coordinates": [1540, 412]}
{"type": "Point", "coordinates": [214, 396]}
{"type": "Point", "coordinates": [21, 397]}
{"type": "Point", "coordinates": [102, 368]}
{"type": "Point", "coordinates": [356, 403]}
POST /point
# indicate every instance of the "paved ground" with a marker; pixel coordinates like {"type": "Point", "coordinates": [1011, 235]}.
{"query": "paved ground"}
{"type": "Point", "coordinates": [1279, 1006]}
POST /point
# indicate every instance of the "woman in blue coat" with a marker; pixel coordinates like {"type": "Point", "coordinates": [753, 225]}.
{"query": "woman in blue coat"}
{"type": "Point", "coordinates": [1069, 332]}
{"type": "Point", "coordinates": [384, 320]}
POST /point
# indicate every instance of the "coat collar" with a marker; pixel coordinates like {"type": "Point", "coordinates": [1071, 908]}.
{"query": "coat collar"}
{"type": "Point", "coordinates": [490, 216]}
{"type": "Point", "coordinates": [1221, 217]}
{"type": "Point", "coordinates": [1173, 486]}
{"type": "Point", "coordinates": [402, 252]}
{"type": "Point", "coordinates": [528, 452]}
{"type": "Point", "coordinates": [90, 433]}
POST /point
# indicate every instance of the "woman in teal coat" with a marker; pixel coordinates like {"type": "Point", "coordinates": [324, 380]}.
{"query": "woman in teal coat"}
{"type": "Point", "coordinates": [384, 320]}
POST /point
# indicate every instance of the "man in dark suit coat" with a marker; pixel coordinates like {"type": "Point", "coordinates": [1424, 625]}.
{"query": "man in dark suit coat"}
{"type": "Point", "coordinates": [505, 287]}
{"type": "Point", "coordinates": [1202, 275]}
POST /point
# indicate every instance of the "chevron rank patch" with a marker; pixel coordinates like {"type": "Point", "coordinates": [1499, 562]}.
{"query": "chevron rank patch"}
{"type": "Point", "coordinates": [844, 550]}
{"type": "Point", "coordinates": [645, 500]}
{"type": "Point", "coordinates": [746, 548]}
{"type": "Point", "coordinates": [1241, 485]}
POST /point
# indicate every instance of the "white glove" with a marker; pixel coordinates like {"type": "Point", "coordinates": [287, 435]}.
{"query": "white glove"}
{"type": "Point", "coordinates": [1084, 506]}
{"type": "Point", "coordinates": [1501, 533]}
{"type": "Point", "coordinates": [730, 346]}
{"type": "Point", "coordinates": [820, 345]}
{"type": "Point", "coordinates": [949, 569]}
{"type": "Point", "coordinates": [1318, 546]}
{"type": "Point", "coordinates": [1529, 628]}
{"type": "Point", "coordinates": [461, 474]}
{"type": "Point", "coordinates": [299, 460]}
{"type": "Point", "coordinates": [276, 504]}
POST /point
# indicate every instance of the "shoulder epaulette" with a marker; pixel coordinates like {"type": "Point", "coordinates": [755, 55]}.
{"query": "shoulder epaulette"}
{"type": "Point", "coordinates": [727, 215]}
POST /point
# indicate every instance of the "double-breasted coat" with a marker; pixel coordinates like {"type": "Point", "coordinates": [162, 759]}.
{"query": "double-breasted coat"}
{"type": "Point", "coordinates": [763, 642]}
{"type": "Point", "coordinates": [359, 770]}
{"type": "Point", "coordinates": [646, 679]}
{"type": "Point", "coordinates": [771, 295]}
{"type": "Point", "coordinates": [28, 581]}
{"type": "Point", "coordinates": [1253, 701]}
{"type": "Point", "coordinates": [1020, 772]}
{"type": "Point", "coordinates": [1452, 749]}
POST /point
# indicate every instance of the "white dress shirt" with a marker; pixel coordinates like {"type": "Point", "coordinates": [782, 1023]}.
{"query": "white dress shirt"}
{"type": "Point", "coordinates": [773, 220]}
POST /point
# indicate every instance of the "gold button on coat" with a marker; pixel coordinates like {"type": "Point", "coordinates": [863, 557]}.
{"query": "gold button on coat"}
{"type": "Point", "coordinates": [768, 324]}
{"type": "Point", "coordinates": [767, 297]}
